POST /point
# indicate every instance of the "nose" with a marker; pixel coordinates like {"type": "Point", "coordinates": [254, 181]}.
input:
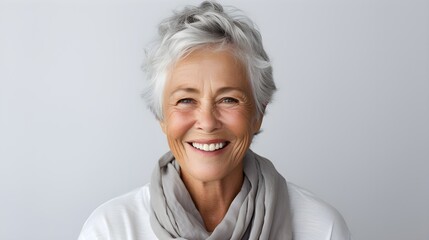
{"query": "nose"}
{"type": "Point", "coordinates": [207, 118]}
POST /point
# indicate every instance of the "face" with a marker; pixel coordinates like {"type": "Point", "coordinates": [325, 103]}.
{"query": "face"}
{"type": "Point", "coordinates": [209, 115]}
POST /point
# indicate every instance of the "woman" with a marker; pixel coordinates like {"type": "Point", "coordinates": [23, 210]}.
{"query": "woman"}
{"type": "Point", "coordinates": [210, 82]}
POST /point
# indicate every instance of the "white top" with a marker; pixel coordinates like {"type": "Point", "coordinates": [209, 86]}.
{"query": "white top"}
{"type": "Point", "coordinates": [127, 218]}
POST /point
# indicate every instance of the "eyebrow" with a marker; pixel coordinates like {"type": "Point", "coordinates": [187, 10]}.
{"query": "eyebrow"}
{"type": "Point", "coordinates": [219, 91]}
{"type": "Point", "coordinates": [185, 89]}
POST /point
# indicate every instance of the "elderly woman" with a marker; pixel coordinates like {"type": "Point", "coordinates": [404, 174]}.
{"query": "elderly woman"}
{"type": "Point", "coordinates": [210, 82]}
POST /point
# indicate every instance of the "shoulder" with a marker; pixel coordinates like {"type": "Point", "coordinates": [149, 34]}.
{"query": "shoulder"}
{"type": "Point", "coordinates": [124, 217]}
{"type": "Point", "coordinates": [313, 218]}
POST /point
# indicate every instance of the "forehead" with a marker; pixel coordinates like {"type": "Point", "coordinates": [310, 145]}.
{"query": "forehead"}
{"type": "Point", "coordinates": [217, 67]}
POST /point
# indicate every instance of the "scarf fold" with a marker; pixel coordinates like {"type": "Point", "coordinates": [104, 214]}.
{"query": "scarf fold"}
{"type": "Point", "coordinates": [259, 211]}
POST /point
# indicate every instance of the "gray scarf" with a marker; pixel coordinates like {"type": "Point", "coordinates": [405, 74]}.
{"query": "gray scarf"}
{"type": "Point", "coordinates": [259, 211]}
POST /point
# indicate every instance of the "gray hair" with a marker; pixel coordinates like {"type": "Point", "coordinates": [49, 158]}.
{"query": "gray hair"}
{"type": "Point", "coordinates": [207, 25]}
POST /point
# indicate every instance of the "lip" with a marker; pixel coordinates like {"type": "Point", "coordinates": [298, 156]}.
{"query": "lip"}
{"type": "Point", "coordinates": [208, 141]}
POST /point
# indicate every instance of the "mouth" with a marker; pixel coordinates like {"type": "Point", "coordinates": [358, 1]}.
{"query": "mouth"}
{"type": "Point", "coordinates": [209, 147]}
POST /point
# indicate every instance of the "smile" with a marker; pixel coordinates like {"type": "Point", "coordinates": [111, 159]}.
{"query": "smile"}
{"type": "Point", "coordinates": [209, 147]}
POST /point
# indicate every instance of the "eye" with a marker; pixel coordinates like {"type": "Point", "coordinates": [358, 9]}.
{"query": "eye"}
{"type": "Point", "coordinates": [229, 100]}
{"type": "Point", "coordinates": [186, 101]}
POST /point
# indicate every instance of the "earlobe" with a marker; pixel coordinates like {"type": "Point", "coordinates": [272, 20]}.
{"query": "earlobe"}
{"type": "Point", "coordinates": [162, 125]}
{"type": "Point", "coordinates": [257, 125]}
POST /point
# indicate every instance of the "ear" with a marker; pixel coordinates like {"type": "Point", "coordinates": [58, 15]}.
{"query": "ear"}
{"type": "Point", "coordinates": [257, 124]}
{"type": "Point", "coordinates": [163, 126]}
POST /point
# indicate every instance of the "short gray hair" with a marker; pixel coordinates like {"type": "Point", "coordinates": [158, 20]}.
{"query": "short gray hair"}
{"type": "Point", "coordinates": [207, 24]}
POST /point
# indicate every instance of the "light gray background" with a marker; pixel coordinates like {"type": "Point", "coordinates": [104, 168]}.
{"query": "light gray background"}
{"type": "Point", "coordinates": [349, 122]}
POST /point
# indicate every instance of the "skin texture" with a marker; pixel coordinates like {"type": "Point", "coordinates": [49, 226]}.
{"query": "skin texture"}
{"type": "Point", "coordinates": [208, 99]}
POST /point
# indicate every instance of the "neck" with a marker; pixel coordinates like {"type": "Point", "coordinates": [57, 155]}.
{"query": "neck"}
{"type": "Point", "coordinates": [213, 199]}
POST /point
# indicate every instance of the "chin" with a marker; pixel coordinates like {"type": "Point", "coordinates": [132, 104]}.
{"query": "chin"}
{"type": "Point", "coordinates": [205, 172]}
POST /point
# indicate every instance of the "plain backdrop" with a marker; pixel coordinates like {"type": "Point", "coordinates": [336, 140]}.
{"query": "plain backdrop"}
{"type": "Point", "coordinates": [349, 121]}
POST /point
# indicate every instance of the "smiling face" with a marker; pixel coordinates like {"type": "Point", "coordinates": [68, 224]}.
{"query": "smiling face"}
{"type": "Point", "coordinates": [209, 115]}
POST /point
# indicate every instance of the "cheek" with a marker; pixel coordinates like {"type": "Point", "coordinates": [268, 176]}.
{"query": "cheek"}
{"type": "Point", "coordinates": [177, 124]}
{"type": "Point", "coordinates": [240, 122]}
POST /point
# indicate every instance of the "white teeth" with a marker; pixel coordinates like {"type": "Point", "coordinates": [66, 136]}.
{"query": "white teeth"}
{"type": "Point", "coordinates": [208, 147]}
